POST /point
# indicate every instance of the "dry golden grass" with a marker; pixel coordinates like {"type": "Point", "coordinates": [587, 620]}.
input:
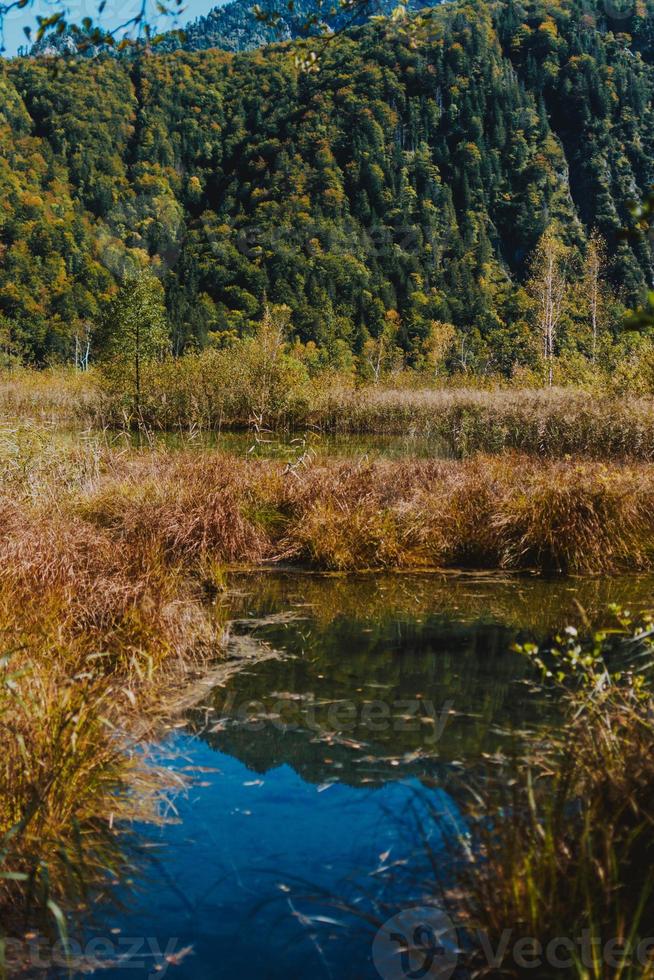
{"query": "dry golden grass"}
{"type": "Point", "coordinates": [106, 557]}
{"type": "Point", "coordinates": [72, 775]}
{"type": "Point", "coordinates": [53, 396]}
{"type": "Point", "coordinates": [579, 518]}
{"type": "Point", "coordinates": [550, 422]}
{"type": "Point", "coordinates": [222, 389]}
{"type": "Point", "coordinates": [507, 511]}
{"type": "Point", "coordinates": [97, 641]}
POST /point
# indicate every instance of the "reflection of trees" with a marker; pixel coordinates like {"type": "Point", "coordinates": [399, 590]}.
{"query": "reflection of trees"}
{"type": "Point", "coordinates": [521, 602]}
{"type": "Point", "coordinates": [389, 639]}
{"type": "Point", "coordinates": [312, 710]}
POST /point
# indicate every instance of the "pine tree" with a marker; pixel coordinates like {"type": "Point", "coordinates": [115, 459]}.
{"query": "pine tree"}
{"type": "Point", "coordinates": [135, 333]}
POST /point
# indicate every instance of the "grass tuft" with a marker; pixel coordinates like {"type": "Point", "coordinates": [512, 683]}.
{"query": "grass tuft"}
{"type": "Point", "coordinates": [562, 841]}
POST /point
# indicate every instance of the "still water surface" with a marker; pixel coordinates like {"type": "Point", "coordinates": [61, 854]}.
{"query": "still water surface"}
{"type": "Point", "coordinates": [326, 773]}
{"type": "Point", "coordinates": [288, 446]}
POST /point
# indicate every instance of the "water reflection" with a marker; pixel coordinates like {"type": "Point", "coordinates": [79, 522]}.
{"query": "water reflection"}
{"type": "Point", "coordinates": [361, 704]}
{"type": "Point", "coordinates": [528, 603]}
{"type": "Point", "coordinates": [315, 770]}
{"type": "Point", "coordinates": [289, 445]}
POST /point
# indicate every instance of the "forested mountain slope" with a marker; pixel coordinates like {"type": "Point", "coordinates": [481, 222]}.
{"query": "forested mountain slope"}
{"type": "Point", "coordinates": [409, 178]}
{"type": "Point", "coordinates": [233, 28]}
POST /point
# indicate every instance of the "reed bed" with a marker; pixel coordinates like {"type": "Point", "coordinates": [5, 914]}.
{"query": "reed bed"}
{"type": "Point", "coordinates": [457, 422]}
{"type": "Point", "coordinates": [222, 390]}
{"type": "Point", "coordinates": [545, 422]}
{"type": "Point", "coordinates": [53, 396]}
{"type": "Point", "coordinates": [108, 558]}
{"type": "Point", "coordinates": [509, 512]}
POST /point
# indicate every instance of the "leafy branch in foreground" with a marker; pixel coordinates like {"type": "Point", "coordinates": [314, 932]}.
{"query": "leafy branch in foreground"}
{"type": "Point", "coordinates": [91, 33]}
{"type": "Point", "coordinates": [318, 20]}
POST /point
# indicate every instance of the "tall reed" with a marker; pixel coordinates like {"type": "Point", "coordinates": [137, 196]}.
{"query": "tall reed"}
{"type": "Point", "coordinates": [96, 643]}
{"type": "Point", "coordinates": [236, 387]}
{"type": "Point", "coordinates": [490, 512]}
{"type": "Point", "coordinates": [561, 841]}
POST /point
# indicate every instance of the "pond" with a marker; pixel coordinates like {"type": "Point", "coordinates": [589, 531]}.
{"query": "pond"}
{"type": "Point", "coordinates": [290, 445]}
{"type": "Point", "coordinates": [327, 773]}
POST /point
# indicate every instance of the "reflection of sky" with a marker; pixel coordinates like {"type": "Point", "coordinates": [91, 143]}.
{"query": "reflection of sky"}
{"type": "Point", "coordinates": [254, 860]}
{"type": "Point", "coordinates": [116, 12]}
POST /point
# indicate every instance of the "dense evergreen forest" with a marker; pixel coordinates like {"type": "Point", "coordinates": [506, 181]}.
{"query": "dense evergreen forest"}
{"type": "Point", "coordinates": [398, 186]}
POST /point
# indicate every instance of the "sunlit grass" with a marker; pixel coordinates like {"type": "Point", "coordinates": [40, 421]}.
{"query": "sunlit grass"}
{"type": "Point", "coordinates": [544, 422]}
{"type": "Point", "coordinates": [108, 557]}
{"type": "Point", "coordinates": [223, 389]}
{"type": "Point", "coordinates": [510, 512]}
{"type": "Point", "coordinates": [72, 773]}
{"type": "Point", "coordinates": [562, 840]}
{"type": "Point", "coordinates": [98, 639]}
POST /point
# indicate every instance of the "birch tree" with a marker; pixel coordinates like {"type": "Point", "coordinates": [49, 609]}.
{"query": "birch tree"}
{"type": "Point", "coordinates": [548, 287]}
{"type": "Point", "coordinates": [594, 287]}
{"type": "Point", "coordinates": [381, 353]}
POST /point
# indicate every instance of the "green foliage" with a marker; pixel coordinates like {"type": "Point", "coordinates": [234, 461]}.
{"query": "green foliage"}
{"type": "Point", "coordinates": [135, 334]}
{"type": "Point", "coordinates": [588, 663]}
{"type": "Point", "coordinates": [412, 174]}
{"type": "Point", "coordinates": [50, 280]}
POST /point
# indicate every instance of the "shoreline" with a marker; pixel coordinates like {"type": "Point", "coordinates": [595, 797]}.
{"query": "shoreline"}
{"type": "Point", "coordinates": [593, 423]}
{"type": "Point", "coordinates": [110, 560]}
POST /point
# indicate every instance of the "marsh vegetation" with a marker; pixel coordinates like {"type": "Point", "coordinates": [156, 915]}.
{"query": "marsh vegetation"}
{"type": "Point", "coordinates": [115, 563]}
{"type": "Point", "coordinates": [195, 244]}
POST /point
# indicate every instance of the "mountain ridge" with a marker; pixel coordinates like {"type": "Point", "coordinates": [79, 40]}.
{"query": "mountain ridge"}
{"type": "Point", "coordinates": [405, 182]}
{"type": "Point", "coordinates": [235, 27]}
